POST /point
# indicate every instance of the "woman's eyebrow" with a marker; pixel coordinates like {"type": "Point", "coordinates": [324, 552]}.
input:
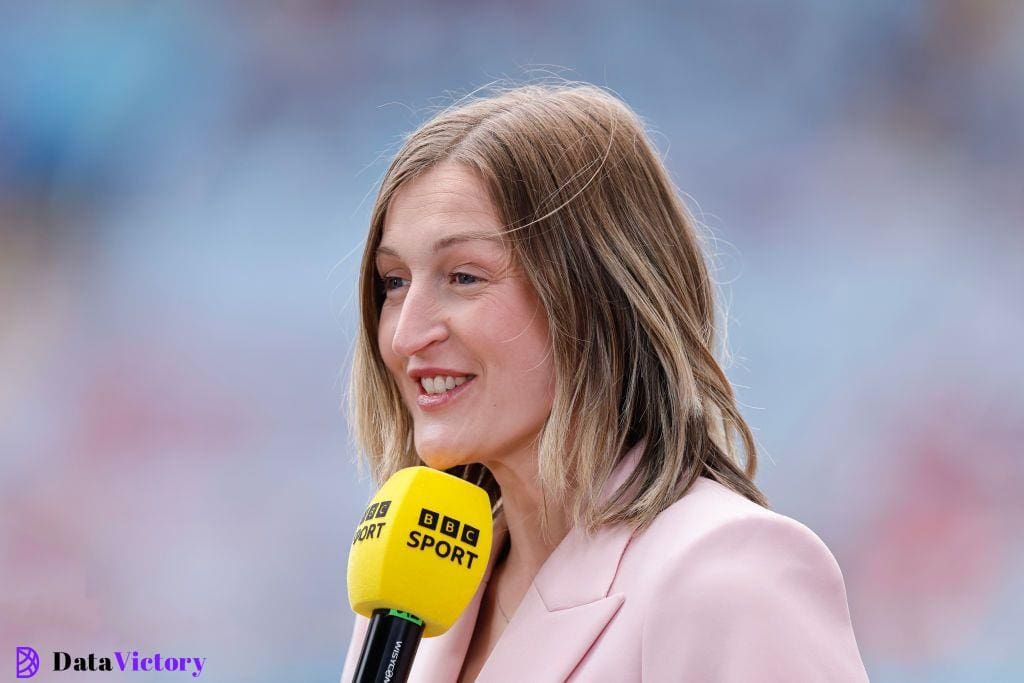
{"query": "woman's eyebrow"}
{"type": "Point", "coordinates": [450, 240]}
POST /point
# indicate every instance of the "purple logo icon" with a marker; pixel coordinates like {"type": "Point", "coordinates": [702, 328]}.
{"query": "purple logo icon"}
{"type": "Point", "coordinates": [28, 662]}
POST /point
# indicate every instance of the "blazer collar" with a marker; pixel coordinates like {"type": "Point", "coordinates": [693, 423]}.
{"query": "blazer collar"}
{"type": "Point", "coordinates": [560, 582]}
{"type": "Point", "coordinates": [561, 615]}
{"type": "Point", "coordinates": [568, 604]}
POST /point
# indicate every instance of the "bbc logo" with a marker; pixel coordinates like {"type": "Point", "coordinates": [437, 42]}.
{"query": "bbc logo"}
{"type": "Point", "coordinates": [449, 526]}
{"type": "Point", "coordinates": [377, 510]}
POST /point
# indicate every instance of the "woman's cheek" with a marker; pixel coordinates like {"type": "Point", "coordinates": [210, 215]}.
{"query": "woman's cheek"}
{"type": "Point", "coordinates": [385, 336]}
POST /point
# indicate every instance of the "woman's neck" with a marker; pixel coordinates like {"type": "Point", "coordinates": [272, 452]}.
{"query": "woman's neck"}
{"type": "Point", "coordinates": [521, 506]}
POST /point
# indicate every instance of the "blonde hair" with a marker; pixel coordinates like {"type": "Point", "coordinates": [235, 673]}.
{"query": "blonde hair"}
{"type": "Point", "coordinates": [603, 236]}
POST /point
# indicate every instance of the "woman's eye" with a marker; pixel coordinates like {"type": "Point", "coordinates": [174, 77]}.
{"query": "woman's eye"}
{"type": "Point", "coordinates": [389, 282]}
{"type": "Point", "coordinates": [473, 279]}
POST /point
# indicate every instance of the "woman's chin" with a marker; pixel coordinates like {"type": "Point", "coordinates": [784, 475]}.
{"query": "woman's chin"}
{"type": "Point", "coordinates": [442, 459]}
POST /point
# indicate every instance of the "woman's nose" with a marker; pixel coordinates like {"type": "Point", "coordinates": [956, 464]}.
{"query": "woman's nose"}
{"type": "Point", "coordinates": [420, 322]}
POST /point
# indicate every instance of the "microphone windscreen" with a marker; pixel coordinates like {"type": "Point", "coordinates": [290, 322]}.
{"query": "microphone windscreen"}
{"type": "Point", "coordinates": [421, 547]}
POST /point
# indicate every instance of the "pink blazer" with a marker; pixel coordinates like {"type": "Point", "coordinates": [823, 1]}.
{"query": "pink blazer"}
{"type": "Point", "coordinates": [716, 589]}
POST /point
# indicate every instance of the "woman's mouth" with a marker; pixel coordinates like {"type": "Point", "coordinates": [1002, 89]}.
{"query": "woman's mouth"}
{"type": "Point", "coordinates": [428, 401]}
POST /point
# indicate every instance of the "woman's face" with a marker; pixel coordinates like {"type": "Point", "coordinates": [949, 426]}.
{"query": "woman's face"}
{"type": "Point", "coordinates": [455, 309]}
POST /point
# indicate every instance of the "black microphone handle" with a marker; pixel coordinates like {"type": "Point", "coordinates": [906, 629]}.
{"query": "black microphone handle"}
{"type": "Point", "coordinates": [390, 644]}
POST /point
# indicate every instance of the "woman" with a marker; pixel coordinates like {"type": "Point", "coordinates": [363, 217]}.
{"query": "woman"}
{"type": "Point", "coordinates": [537, 317]}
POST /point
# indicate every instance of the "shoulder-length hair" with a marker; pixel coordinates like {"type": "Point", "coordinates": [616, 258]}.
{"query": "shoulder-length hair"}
{"type": "Point", "coordinates": [594, 221]}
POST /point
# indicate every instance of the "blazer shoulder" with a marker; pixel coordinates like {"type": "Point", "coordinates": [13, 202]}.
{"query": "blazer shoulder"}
{"type": "Point", "coordinates": [735, 585]}
{"type": "Point", "coordinates": [710, 515]}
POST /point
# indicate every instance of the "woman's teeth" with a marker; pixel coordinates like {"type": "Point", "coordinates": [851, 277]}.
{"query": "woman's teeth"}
{"type": "Point", "coordinates": [441, 384]}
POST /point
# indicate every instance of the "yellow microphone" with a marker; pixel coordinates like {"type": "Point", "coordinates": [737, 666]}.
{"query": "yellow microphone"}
{"type": "Point", "coordinates": [417, 558]}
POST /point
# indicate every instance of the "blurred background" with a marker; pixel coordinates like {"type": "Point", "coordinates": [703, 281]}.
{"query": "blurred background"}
{"type": "Point", "coordinates": [184, 191]}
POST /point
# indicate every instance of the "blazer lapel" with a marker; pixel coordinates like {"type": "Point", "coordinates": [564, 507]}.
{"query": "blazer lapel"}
{"type": "Point", "coordinates": [544, 645]}
{"type": "Point", "coordinates": [440, 658]}
{"type": "Point", "coordinates": [568, 604]}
